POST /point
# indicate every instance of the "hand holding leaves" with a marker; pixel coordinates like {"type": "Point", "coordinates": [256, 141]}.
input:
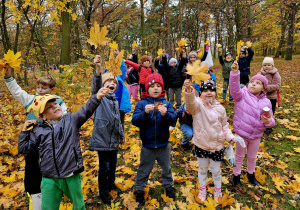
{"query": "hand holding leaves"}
{"type": "Point", "coordinates": [235, 67]}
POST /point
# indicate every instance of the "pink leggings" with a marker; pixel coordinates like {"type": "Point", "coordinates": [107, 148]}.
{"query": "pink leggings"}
{"type": "Point", "coordinates": [133, 91]}
{"type": "Point", "coordinates": [252, 146]}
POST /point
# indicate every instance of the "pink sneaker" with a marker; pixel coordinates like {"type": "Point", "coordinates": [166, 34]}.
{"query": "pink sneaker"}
{"type": "Point", "coordinates": [217, 194]}
{"type": "Point", "coordinates": [202, 195]}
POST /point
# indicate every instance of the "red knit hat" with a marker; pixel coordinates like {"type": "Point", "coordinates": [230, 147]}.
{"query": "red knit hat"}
{"type": "Point", "coordinates": [150, 80]}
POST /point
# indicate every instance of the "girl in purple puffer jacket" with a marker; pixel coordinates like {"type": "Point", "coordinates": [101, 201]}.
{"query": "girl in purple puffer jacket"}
{"type": "Point", "coordinates": [249, 121]}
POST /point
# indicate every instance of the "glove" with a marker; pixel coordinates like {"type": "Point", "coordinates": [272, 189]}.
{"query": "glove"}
{"type": "Point", "coordinates": [239, 139]}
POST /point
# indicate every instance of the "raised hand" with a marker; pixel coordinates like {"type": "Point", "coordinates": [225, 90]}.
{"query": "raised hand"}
{"type": "Point", "coordinates": [188, 85]}
{"type": "Point", "coordinates": [235, 67]}
{"type": "Point", "coordinates": [102, 92]}
{"type": "Point", "coordinates": [97, 62]}
{"type": "Point", "coordinates": [27, 123]}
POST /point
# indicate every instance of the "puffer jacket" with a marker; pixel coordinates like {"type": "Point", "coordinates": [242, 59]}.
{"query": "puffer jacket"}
{"type": "Point", "coordinates": [144, 72]}
{"type": "Point", "coordinates": [274, 83]}
{"type": "Point", "coordinates": [244, 63]}
{"type": "Point", "coordinates": [248, 110]}
{"type": "Point", "coordinates": [210, 125]}
{"type": "Point", "coordinates": [226, 67]}
{"type": "Point", "coordinates": [58, 144]}
{"type": "Point", "coordinates": [162, 70]}
{"type": "Point", "coordinates": [108, 130]}
{"type": "Point", "coordinates": [154, 128]}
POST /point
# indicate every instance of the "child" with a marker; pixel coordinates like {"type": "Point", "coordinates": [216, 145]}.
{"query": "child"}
{"type": "Point", "coordinates": [57, 139]}
{"type": "Point", "coordinates": [107, 132]}
{"type": "Point", "coordinates": [186, 125]}
{"type": "Point", "coordinates": [274, 83]}
{"type": "Point", "coordinates": [162, 70]}
{"type": "Point", "coordinates": [211, 129]}
{"type": "Point", "coordinates": [154, 121]}
{"type": "Point", "coordinates": [33, 176]}
{"type": "Point", "coordinates": [226, 64]}
{"type": "Point", "coordinates": [133, 81]}
{"type": "Point", "coordinates": [248, 121]}
{"type": "Point", "coordinates": [244, 65]}
{"type": "Point", "coordinates": [145, 69]}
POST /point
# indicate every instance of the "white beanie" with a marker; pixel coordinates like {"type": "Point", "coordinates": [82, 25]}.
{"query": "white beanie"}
{"type": "Point", "coordinates": [172, 60]}
{"type": "Point", "coordinates": [268, 60]}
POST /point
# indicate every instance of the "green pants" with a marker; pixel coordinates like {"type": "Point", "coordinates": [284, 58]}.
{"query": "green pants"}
{"type": "Point", "coordinates": [53, 190]}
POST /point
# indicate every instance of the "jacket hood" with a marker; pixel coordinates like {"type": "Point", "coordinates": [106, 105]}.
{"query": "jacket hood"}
{"type": "Point", "coordinates": [150, 99]}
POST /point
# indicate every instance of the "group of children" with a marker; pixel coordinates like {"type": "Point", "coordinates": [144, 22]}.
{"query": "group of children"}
{"type": "Point", "coordinates": [54, 160]}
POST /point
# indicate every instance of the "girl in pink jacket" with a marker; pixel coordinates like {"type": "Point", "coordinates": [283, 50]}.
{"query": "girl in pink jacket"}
{"type": "Point", "coordinates": [211, 129]}
{"type": "Point", "coordinates": [249, 121]}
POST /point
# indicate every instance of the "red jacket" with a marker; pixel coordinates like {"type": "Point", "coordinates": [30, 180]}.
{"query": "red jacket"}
{"type": "Point", "coordinates": [144, 72]}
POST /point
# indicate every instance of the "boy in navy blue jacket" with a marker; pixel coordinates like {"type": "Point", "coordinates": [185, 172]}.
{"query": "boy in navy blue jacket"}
{"type": "Point", "coordinates": [153, 115]}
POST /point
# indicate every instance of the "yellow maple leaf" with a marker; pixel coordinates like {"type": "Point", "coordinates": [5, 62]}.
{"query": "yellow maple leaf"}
{"type": "Point", "coordinates": [297, 149]}
{"type": "Point", "coordinates": [97, 36]}
{"type": "Point", "coordinates": [135, 44]}
{"type": "Point", "coordinates": [113, 45]}
{"type": "Point", "coordinates": [159, 52]}
{"type": "Point", "coordinates": [218, 45]}
{"type": "Point", "coordinates": [260, 176]}
{"type": "Point", "coordinates": [114, 63]}
{"type": "Point", "coordinates": [249, 44]}
{"type": "Point", "coordinates": [278, 182]}
{"type": "Point", "coordinates": [207, 41]}
{"type": "Point", "coordinates": [182, 42]}
{"type": "Point", "coordinates": [238, 48]}
{"type": "Point", "coordinates": [281, 165]}
{"type": "Point", "coordinates": [11, 60]}
{"type": "Point", "coordinates": [295, 138]}
{"type": "Point", "coordinates": [166, 198]}
{"type": "Point", "coordinates": [210, 203]}
{"type": "Point", "coordinates": [200, 54]}
{"type": "Point", "coordinates": [199, 73]}
{"type": "Point", "coordinates": [225, 201]}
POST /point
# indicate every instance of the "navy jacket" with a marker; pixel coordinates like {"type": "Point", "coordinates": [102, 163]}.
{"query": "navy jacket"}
{"type": "Point", "coordinates": [244, 63]}
{"type": "Point", "coordinates": [154, 128]}
{"type": "Point", "coordinates": [184, 118]}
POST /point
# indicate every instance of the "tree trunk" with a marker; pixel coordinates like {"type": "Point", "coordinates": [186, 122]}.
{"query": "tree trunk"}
{"type": "Point", "coordinates": [142, 26]}
{"type": "Point", "coordinates": [66, 38]}
{"type": "Point", "coordinates": [281, 42]}
{"type": "Point", "coordinates": [5, 37]}
{"type": "Point", "coordinates": [291, 20]}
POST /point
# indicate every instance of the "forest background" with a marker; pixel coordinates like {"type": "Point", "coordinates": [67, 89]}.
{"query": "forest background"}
{"type": "Point", "coordinates": [56, 32]}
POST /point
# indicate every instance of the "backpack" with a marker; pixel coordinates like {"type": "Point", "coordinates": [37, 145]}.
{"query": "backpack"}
{"type": "Point", "coordinates": [132, 77]}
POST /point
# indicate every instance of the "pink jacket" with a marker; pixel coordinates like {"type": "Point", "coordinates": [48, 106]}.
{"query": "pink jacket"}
{"type": "Point", "coordinates": [248, 109]}
{"type": "Point", "coordinates": [210, 125]}
{"type": "Point", "coordinates": [274, 82]}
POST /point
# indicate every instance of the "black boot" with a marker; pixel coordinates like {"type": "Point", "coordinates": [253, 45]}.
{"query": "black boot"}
{"type": "Point", "coordinates": [237, 180]}
{"type": "Point", "coordinates": [268, 131]}
{"type": "Point", "coordinates": [115, 188]}
{"type": "Point", "coordinates": [252, 180]}
{"type": "Point", "coordinates": [170, 192]}
{"type": "Point", "coordinates": [139, 197]}
{"type": "Point", "coordinates": [106, 198]}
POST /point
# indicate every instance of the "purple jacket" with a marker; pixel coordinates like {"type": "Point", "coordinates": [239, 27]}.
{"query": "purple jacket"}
{"type": "Point", "coordinates": [248, 109]}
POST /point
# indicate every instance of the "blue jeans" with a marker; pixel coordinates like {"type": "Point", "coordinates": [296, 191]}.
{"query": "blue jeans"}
{"type": "Point", "coordinates": [107, 170]}
{"type": "Point", "coordinates": [187, 132]}
{"type": "Point", "coordinates": [225, 87]}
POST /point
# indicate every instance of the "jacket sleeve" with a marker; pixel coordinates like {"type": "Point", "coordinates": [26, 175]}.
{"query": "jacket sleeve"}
{"type": "Point", "coordinates": [190, 102]}
{"type": "Point", "coordinates": [225, 127]}
{"type": "Point", "coordinates": [164, 62]}
{"type": "Point", "coordinates": [170, 117]}
{"type": "Point", "coordinates": [276, 84]}
{"type": "Point", "coordinates": [96, 83]}
{"type": "Point", "coordinates": [134, 65]}
{"type": "Point", "coordinates": [183, 62]}
{"type": "Point", "coordinates": [250, 54]}
{"type": "Point", "coordinates": [123, 69]}
{"type": "Point", "coordinates": [234, 86]}
{"type": "Point", "coordinates": [204, 56]}
{"type": "Point", "coordinates": [86, 111]}
{"type": "Point", "coordinates": [20, 95]}
{"type": "Point", "coordinates": [134, 58]}
{"type": "Point", "coordinates": [221, 60]}
{"type": "Point", "coordinates": [157, 65]}
{"type": "Point", "coordinates": [139, 116]}
{"type": "Point", "coordinates": [28, 141]}
{"type": "Point", "coordinates": [213, 76]}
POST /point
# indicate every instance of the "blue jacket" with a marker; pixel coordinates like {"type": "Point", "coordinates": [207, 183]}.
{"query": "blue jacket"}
{"type": "Point", "coordinates": [154, 128]}
{"type": "Point", "coordinates": [122, 94]}
{"type": "Point", "coordinates": [184, 118]}
{"type": "Point", "coordinates": [244, 63]}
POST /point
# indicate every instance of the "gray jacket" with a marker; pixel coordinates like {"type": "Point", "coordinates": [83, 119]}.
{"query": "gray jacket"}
{"type": "Point", "coordinates": [58, 144]}
{"type": "Point", "coordinates": [108, 130]}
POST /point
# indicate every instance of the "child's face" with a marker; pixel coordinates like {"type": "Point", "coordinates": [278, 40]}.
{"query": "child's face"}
{"type": "Point", "coordinates": [146, 64]}
{"type": "Point", "coordinates": [242, 55]}
{"type": "Point", "coordinates": [267, 67]}
{"type": "Point", "coordinates": [193, 58]}
{"type": "Point", "coordinates": [255, 87]}
{"type": "Point", "coordinates": [43, 89]}
{"type": "Point", "coordinates": [52, 111]}
{"type": "Point", "coordinates": [228, 57]}
{"type": "Point", "coordinates": [208, 95]}
{"type": "Point", "coordinates": [173, 64]}
{"type": "Point", "coordinates": [155, 90]}
{"type": "Point", "coordinates": [112, 85]}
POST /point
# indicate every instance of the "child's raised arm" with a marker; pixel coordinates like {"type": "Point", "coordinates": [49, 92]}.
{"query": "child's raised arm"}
{"type": "Point", "coordinates": [234, 82]}
{"type": "Point", "coordinates": [190, 98]}
{"type": "Point", "coordinates": [28, 140]}
{"type": "Point", "coordinates": [97, 78]}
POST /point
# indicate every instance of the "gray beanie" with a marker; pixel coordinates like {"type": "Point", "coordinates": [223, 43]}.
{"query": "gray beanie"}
{"type": "Point", "coordinates": [172, 60]}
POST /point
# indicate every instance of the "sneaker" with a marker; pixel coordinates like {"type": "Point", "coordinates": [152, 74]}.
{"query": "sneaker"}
{"type": "Point", "coordinates": [202, 195]}
{"type": "Point", "coordinates": [106, 198]}
{"type": "Point", "coordinates": [170, 192]}
{"type": "Point", "coordinates": [217, 194]}
{"type": "Point", "coordinates": [139, 197]}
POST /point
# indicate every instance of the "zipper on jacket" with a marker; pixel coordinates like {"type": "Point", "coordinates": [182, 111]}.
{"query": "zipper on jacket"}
{"type": "Point", "coordinates": [155, 125]}
{"type": "Point", "coordinates": [53, 149]}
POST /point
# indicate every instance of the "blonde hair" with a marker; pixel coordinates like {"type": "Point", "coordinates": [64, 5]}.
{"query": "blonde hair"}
{"type": "Point", "coordinates": [46, 80]}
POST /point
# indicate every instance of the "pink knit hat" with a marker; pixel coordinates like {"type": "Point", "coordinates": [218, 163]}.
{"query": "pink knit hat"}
{"type": "Point", "coordinates": [192, 53]}
{"type": "Point", "coordinates": [262, 78]}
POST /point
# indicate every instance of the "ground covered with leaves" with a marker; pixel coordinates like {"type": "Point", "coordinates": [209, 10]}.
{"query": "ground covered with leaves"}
{"type": "Point", "coordinates": [277, 168]}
